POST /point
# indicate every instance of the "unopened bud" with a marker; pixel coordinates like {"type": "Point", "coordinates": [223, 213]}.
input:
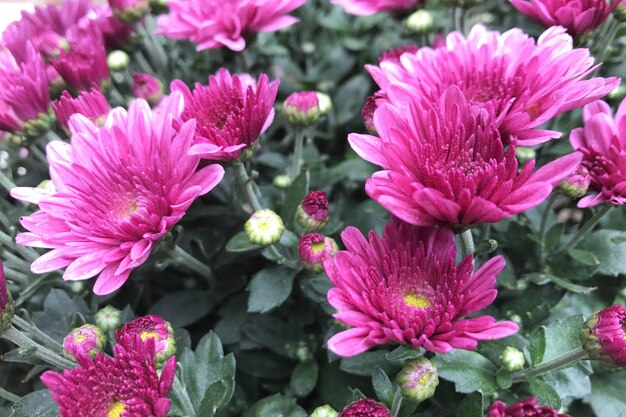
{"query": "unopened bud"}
{"type": "Point", "coordinates": [264, 227]}
{"type": "Point", "coordinates": [324, 102]}
{"type": "Point", "coordinates": [84, 340]}
{"type": "Point", "coordinates": [118, 60]}
{"type": "Point", "coordinates": [418, 379]}
{"type": "Point", "coordinates": [620, 11]}
{"type": "Point", "coordinates": [108, 318]}
{"type": "Point", "coordinates": [282, 181]}
{"type": "Point", "coordinates": [312, 213]}
{"type": "Point", "coordinates": [604, 337]}
{"type": "Point", "coordinates": [577, 184]}
{"type": "Point", "coordinates": [324, 411]}
{"type": "Point", "coordinates": [129, 11]}
{"type": "Point", "coordinates": [313, 248]}
{"type": "Point", "coordinates": [149, 327]}
{"type": "Point", "coordinates": [524, 154]}
{"type": "Point", "coordinates": [512, 359]}
{"type": "Point", "coordinates": [302, 108]}
{"type": "Point", "coordinates": [421, 21]}
{"type": "Point", "coordinates": [147, 87]}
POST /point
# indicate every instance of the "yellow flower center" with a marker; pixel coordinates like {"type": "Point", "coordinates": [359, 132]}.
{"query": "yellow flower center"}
{"type": "Point", "coordinates": [80, 338]}
{"type": "Point", "coordinates": [317, 247]}
{"type": "Point", "coordinates": [416, 300]}
{"type": "Point", "coordinates": [116, 409]}
{"type": "Point", "coordinates": [424, 379]}
{"type": "Point", "coordinates": [146, 334]}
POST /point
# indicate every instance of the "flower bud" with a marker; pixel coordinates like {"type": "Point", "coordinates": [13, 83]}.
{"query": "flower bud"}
{"type": "Point", "coordinates": [524, 154]}
{"type": "Point", "coordinates": [302, 108]}
{"type": "Point", "coordinates": [324, 102]}
{"type": "Point", "coordinates": [620, 11]}
{"type": "Point", "coordinates": [618, 93]}
{"type": "Point", "coordinates": [129, 11]}
{"type": "Point", "coordinates": [118, 60]}
{"type": "Point", "coordinates": [367, 114]}
{"type": "Point", "coordinates": [90, 103]}
{"type": "Point", "coordinates": [418, 379]}
{"type": "Point", "coordinates": [365, 407]}
{"type": "Point", "coordinates": [84, 340]}
{"type": "Point", "coordinates": [512, 359]}
{"type": "Point", "coordinates": [324, 411]}
{"type": "Point", "coordinates": [7, 307]}
{"type": "Point", "coordinates": [313, 248]}
{"type": "Point", "coordinates": [312, 213]}
{"type": "Point", "coordinates": [264, 227]}
{"type": "Point", "coordinates": [604, 337]}
{"type": "Point", "coordinates": [577, 184]}
{"type": "Point", "coordinates": [421, 21]}
{"type": "Point", "coordinates": [147, 87]}
{"type": "Point", "coordinates": [108, 318]}
{"type": "Point", "coordinates": [282, 181]}
{"type": "Point", "coordinates": [149, 327]}
{"type": "Point", "coordinates": [526, 408]}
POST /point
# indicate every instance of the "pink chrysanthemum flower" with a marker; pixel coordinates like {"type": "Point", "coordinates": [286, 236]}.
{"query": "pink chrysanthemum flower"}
{"type": "Point", "coordinates": [313, 248]}
{"type": "Point", "coordinates": [604, 335]}
{"type": "Point", "coordinates": [602, 142]}
{"type": "Point", "coordinates": [125, 385]}
{"type": "Point", "coordinates": [365, 408]}
{"type": "Point", "coordinates": [448, 166]}
{"type": "Point", "coordinates": [231, 113]}
{"type": "Point", "coordinates": [578, 17]}
{"type": "Point", "coordinates": [90, 103]}
{"type": "Point", "coordinates": [150, 327]}
{"type": "Point", "coordinates": [370, 7]}
{"type": "Point", "coordinates": [523, 83]}
{"type": "Point", "coordinates": [24, 94]}
{"type": "Point", "coordinates": [119, 189]}
{"type": "Point", "coordinates": [84, 340]}
{"type": "Point", "coordinates": [216, 23]}
{"type": "Point", "coordinates": [526, 408]}
{"type": "Point", "coordinates": [405, 288]}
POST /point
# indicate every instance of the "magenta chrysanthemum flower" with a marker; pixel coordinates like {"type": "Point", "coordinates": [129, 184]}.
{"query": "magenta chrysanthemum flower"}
{"type": "Point", "coordinates": [448, 166]}
{"type": "Point", "coordinates": [231, 113]}
{"type": "Point", "coordinates": [523, 83]}
{"type": "Point", "coordinates": [577, 17]}
{"type": "Point", "coordinates": [84, 340]}
{"type": "Point", "coordinates": [125, 385]}
{"type": "Point", "coordinates": [370, 7]}
{"type": "Point", "coordinates": [313, 248]}
{"type": "Point", "coordinates": [147, 87]}
{"type": "Point", "coordinates": [405, 288]}
{"type": "Point", "coordinates": [312, 213]}
{"type": "Point", "coordinates": [604, 335]}
{"type": "Point", "coordinates": [24, 94]}
{"type": "Point", "coordinates": [215, 23]}
{"type": "Point", "coordinates": [602, 142]}
{"type": "Point", "coordinates": [526, 408]}
{"type": "Point", "coordinates": [365, 408]}
{"type": "Point", "coordinates": [151, 327]}
{"type": "Point", "coordinates": [90, 103]}
{"type": "Point", "coordinates": [119, 189]}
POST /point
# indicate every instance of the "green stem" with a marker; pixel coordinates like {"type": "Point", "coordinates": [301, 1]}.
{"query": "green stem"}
{"type": "Point", "coordinates": [542, 227]}
{"type": "Point", "coordinates": [610, 33]}
{"type": "Point", "coordinates": [6, 182]}
{"type": "Point", "coordinates": [35, 332]}
{"type": "Point", "coordinates": [247, 186]}
{"type": "Point", "coordinates": [468, 242]}
{"type": "Point", "coordinates": [183, 398]}
{"type": "Point", "coordinates": [586, 228]}
{"type": "Point", "coordinates": [194, 264]}
{"type": "Point", "coordinates": [562, 361]}
{"type": "Point", "coordinates": [20, 339]}
{"type": "Point", "coordinates": [28, 253]}
{"type": "Point", "coordinates": [297, 152]}
{"type": "Point", "coordinates": [9, 396]}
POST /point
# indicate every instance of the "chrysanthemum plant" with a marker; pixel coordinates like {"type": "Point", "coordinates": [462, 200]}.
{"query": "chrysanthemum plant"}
{"type": "Point", "coordinates": [312, 208]}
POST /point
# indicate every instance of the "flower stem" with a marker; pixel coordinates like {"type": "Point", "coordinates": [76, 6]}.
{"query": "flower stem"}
{"type": "Point", "coordinates": [6, 182]}
{"type": "Point", "coordinates": [28, 253]}
{"type": "Point", "coordinates": [607, 39]}
{"type": "Point", "coordinates": [9, 396]}
{"type": "Point", "coordinates": [183, 398]}
{"type": "Point", "coordinates": [194, 264]}
{"type": "Point", "coordinates": [468, 242]}
{"type": "Point", "coordinates": [562, 361]}
{"type": "Point", "coordinates": [20, 339]}
{"type": "Point", "coordinates": [586, 228]}
{"type": "Point", "coordinates": [36, 333]}
{"type": "Point", "coordinates": [247, 186]}
{"type": "Point", "coordinates": [542, 227]}
{"type": "Point", "coordinates": [297, 152]}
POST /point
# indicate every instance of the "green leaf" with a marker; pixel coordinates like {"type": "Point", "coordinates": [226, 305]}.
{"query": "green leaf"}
{"type": "Point", "coordinates": [470, 371]}
{"type": "Point", "coordinates": [208, 375]}
{"type": "Point", "coordinates": [304, 378]}
{"type": "Point", "coordinates": [585, 257]}
{"type": "Point", "coordinates": [277, 335]}
{"type": "Point", "coordinates": [571, 382]}
{"type": "Point", "coordinates": [61, 313]}
{"type": "Point", "coordinates": [364, 363]}
{"type": "Point", "coordinates": [269, 288]}
{"type": "Point", "coordinates": [537, 346]}
{"type": "Point", "coordinates": [575, 288]}
{"type": "Point", "coordinates": [294, 196]}
{"type": "Point", "coordinates": [546, 395]}
{"type": "Point", "coordinates": [562, 336]}
{"type": "Point", "coordinates": [554, 235]}
{"type": "Point", "coordinates": [183, 308]}
{"type": "Point", "coordinates": [241, 243]}
{"type": "Point", "coordinates": [403, 353]}
{"type": "Point", "coordinates": [382, 386]}
{"type": "Point", "coordinates": [504, 379]}
{"type": "Point", "coordinates": [36, 404]}
{"type": "Point", "coordinates": [276, 406]}
{"type": "Point", "coordinates": [472, 406]}
{"type": "Point", "coordinates": [610, 254]}
{"type": "Point", "coordinates": [607, 397]}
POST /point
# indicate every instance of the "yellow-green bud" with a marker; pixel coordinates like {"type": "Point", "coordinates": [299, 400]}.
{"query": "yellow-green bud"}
{"type": "Point", "coordinates": [108, 318]}
{"type": "Point", "coordinates": [512, 359]}
{"type": "Point", "coordinates": [418, 379]}
{"type": "Point", "coordinates": [324, 411]}
{"type": "Point", "coordinates": [264, 227]}
{"type": "Point", "coordinates": [324, 102]}
{"type": "Point", "coordinates": [282, 181]}
{"type": "Point", "coordinates": [524, 154]}
{"type": "Point", "coordinates": [421, 21]}
{"type": "Point", "coordinates": [118, 60]}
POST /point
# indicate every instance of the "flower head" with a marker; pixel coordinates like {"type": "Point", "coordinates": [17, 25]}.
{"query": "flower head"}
{"type": "Point", "coordinates": [447, 165]}
{"type": "Point", "coordinates": [604, 335]}
{"type": "Point", "coordinates": [216, 23]}
{"type": "Point", "coordinates": [405, 288]}
{"type": "Point", "coordinates": [365, 408]}
{"type": "Point", "coordinates": [526, 408]}
{"type": "Point", "coordinates": [512, 359]}
{"type": "Point", "coordinates": [264, 227]}
{"type": "Point", "coordinates": [119, 189]}
{"type": "Point", "coordinates": [602, 142]}
{"type": "Point", "coordinates": [522, 83]}
{"type": "Point", "coordinates": [370, 7]}
{"type": "Point", "coordinates": [231, 113]}
{"type": "Point", "coordinates": [84, 340]}
{"type": "Point", "coordinates": [577, 184]}
{"type": "Point", "coordinates": [90, 103]}
{"type": "Point", "coordinates": [578, 17]}
{"type": "Point", "coordinates": [127, 384]}
{"type": "Point", "coordinates": [302, 108]}
{"type": "Point", "coordinates": [7, 308]}
{"type": "Point", "coordinates": [313, 248]}
{"type": "Point", "coordinates": [418, 379]}
{"type": "Point", "coordinates": [150, 327]}
{"type": "Point", "coordinates": [312, 213]}
{"type": "Point", "coordinates": [147, 87]}
{"type": "Point", "coordinates": [108, 318]}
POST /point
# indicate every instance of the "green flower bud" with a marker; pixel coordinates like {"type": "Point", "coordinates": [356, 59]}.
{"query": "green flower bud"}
{"type": "Point", "coordinates": [421, 21]}
{"type": "Point", "coordinates": [418, 379]}
{"type": "Point", "coordinates": [324, 102]}
{"type": "Point", "coordinates": [620, 12]}
{"type": "Point", "coordinates": [524, 154]}
{"type": "Point", "coordinates": [512, 359]}
{"type": "Point", "coordinates": [118, 60]}
{"type": "Point", "coordinates": [577, 184]}
{"type": "Point", "coordinates": [618, 93]}
{"type": "Point", "coordinates": [324, 411]}
{"type": "Point", "coordinates": [264, 227]}
{"type": "Point", "coordinates": [282, 181]}
{"type": "Point", "coordinates": [108, 318]}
